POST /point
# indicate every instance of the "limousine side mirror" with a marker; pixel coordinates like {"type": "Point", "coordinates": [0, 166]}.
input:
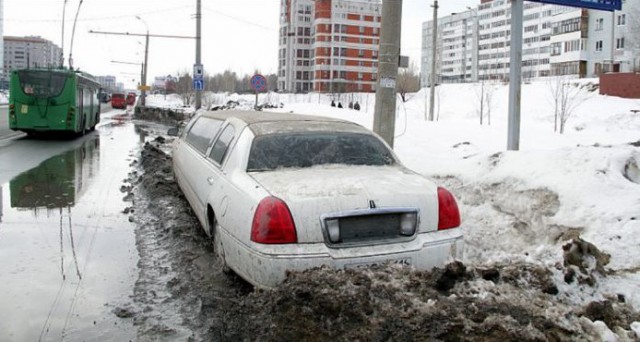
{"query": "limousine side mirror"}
{"type": "Point", "coordinates": [173, 132]}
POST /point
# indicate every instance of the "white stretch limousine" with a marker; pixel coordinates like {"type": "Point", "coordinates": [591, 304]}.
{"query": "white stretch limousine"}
{"type": "Point", "coordinates": [280, 192]}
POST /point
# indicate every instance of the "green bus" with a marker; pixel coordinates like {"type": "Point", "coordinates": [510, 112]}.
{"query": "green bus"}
{"type": "Point", "coordinates": [53, 100]}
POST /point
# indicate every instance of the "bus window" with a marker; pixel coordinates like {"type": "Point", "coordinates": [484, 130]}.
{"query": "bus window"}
{"type": "Point", "coordinates": [41, 84]}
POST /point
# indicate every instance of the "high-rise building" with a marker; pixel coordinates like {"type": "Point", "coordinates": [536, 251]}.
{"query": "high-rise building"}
{"type": "Point", "coordinates": [107, 82]}
{"type": "Point", "coordinates": [329, 45]}
{"type": "Point", "coordinates": [3, 75]}
{"type": "Point", "coordinates": [557, 40]}
{"type": "Point", "coordinates": [29, 52]}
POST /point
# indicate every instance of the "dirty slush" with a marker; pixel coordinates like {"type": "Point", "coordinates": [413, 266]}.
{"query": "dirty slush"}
{"type": "Point", "coordinates": [183, 294]}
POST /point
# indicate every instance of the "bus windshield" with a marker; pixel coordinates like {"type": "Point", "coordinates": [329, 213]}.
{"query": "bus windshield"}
{"type": "Point", "coordinates": [41, 83]}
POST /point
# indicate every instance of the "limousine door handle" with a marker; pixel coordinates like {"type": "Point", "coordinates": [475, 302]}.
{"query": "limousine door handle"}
{"type": "Point", "coordinates": [210, 180]}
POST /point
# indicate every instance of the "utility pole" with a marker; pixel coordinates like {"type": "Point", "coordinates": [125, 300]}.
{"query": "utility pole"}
{"type": "Point", "coordinates": [64, 11]}
{"type": "Point", "coordinates": [143, 92]}
{"type": "Point", "coordinates": [515, 76]}
{"type": "Point", "coordinates": [198, 49]}
{"type": "Point", "coordinates": [434, 54]}
{"type": "Point", "coordinates": [143, 80]}
{"type": "Point", "coordinates": [146, 51]}
{"type": "Point", "coordinates": [384, 119]}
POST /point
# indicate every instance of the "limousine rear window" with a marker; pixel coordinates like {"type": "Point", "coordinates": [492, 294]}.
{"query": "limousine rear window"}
{"type": "Point", "coordinates": [300, 150]}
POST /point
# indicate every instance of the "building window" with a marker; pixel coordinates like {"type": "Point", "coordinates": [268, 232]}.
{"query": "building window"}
{"type": "Point", "coordinates": [622, 19]}
{"type": "Point", "coordinates": [599, 24]}
{"type": "Point", "coordinates": [599, 45]}
{"type": "Point", "coordinates": [620, 43]}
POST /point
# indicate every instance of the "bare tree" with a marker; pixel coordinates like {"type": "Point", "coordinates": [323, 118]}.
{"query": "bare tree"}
{"type": "Point", "coordinates": [184, 87]}
{"type": "Point", "coordinates": [408, 82]}
{"type": "Point", "coordinates": [485, 100]}
{"type": "Point", "coordinates": [565, 97]}
{"type": "Point", "coordinates": [488, 100]}
{"type": "Point", "coordinates": [229, 81]}
{"type": "Point", "coordinates": [481, 95]}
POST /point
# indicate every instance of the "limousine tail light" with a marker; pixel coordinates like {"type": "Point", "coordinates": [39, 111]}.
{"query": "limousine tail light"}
{"type": "Point", "coordinates": [448, 213]}
{"type": "Point", "coordinates": [272, 223]}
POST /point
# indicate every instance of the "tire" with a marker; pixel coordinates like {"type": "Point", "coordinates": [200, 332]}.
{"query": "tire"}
{"type": "Point", "coordinates": [218, 246]}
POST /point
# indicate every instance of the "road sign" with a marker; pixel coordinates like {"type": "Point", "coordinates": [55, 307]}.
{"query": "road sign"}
{"type": "Point", "coordinates": [144, 87]}
{"type": "Point", "coordinates": [198, 71]}
{"type": "Point", "coordinates": [198, 84]}
{"type": "Point", "coordinates": [604, 5]}
{"type": "Point", "coordinates": [259, 83]}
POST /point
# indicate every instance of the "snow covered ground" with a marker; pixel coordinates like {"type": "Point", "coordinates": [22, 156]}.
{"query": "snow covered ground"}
{"type": "Point", "coordinates": [524, 206]}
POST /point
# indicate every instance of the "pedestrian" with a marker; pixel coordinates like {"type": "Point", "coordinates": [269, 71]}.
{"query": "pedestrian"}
{"type": "Point", "coordinates": [333, 103]}
{"type": "Point", "coordinates": [356, 106]}
{"type": "Point", "coordinates": [350, 104]}
{"type": "Point", "coordinates": [339, 104]}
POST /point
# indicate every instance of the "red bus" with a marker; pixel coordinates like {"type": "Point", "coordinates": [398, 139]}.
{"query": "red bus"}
{"type": "Point", "coordinates": [118, 101]}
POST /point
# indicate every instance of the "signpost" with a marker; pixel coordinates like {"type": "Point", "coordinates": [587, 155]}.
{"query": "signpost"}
{"type": "Point", "coordinates": [515, 73]}
{"type": "Point", "coordinates": [198, 77]}
{"type": "Point", "coordinates": [259, 84]}
{"type": "Point", "coordinates": [198, 84]}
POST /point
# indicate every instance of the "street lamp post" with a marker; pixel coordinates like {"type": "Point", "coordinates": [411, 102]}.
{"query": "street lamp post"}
{"type": "Point", "coordinates": [143, 92]}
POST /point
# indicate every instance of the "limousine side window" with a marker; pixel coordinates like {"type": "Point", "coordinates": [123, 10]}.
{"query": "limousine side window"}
{"type": "Point", "coordinates": [221, 145]}
{"type": "Point", "coordinates": [202, 132]}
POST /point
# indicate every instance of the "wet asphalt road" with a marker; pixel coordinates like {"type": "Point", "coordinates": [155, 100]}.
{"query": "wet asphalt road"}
{"type": "Point", "coordinates": [69, 254]}
{"type": "Point", "coordinates": [5, 132]}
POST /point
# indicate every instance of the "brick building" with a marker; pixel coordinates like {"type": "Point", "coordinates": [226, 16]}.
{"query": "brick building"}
{"type": "Point", "coordinates": [329, 45]}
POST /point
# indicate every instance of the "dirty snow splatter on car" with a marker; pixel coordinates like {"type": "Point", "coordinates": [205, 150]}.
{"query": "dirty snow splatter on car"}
{"type": "Point", "coordinates": [183, 293]}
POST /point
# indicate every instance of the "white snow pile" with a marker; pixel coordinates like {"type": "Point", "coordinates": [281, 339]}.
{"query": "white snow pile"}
{"type": "Point", "coordinates": [170, 101]}
{"type": "Point", "coordinates": [567, 203]}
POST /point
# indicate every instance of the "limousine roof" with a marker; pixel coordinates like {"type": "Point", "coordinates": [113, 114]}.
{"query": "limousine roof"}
{"type": "Point", "coordinates": [262, 123]}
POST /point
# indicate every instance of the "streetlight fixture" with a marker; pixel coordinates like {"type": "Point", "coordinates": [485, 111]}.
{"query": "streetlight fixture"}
{"type": "Point", "coordinates": [143, 90]}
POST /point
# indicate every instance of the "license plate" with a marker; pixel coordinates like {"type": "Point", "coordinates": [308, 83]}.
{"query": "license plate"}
{"type": "Point", "coordinates": [400, 261]}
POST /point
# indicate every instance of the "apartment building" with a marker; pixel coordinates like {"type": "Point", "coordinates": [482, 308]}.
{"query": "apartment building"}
{"type": "Point", "coordinates": [29, 52]}
{"type": "Point", "coordinates": [557, 40]}
{"type": "Point", "coordinates": [614, 40]}
{"type": "Point", "coordinates": [295, 51]}
{"type": "Point", "coordinates": [329, 45]}
{"type": "Point", "coordinates": [107, 82]}
{"type": "Point", "coordinates": [4, 83]}
{"type": "Point", "coordinates": [456, 48]}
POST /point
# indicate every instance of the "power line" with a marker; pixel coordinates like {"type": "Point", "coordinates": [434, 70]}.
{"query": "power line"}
{"type": "Point", "coordinates": [240, 19]}
{"type": "Point", "coordinates": [96, 18]}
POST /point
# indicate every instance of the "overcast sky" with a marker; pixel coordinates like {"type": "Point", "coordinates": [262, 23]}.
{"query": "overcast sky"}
{"type": "Point", "coordinates": [241, 35]}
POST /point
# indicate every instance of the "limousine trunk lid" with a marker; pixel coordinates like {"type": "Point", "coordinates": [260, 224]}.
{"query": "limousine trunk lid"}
{"type": "Point", "coordinates": [367, 201]}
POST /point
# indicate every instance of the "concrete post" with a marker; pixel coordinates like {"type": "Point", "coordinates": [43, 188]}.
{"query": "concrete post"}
{"type": "Point", "coordinates": [434, 55]}
{"type": "Point", "coordinates": [384, 119]}
{"type": "Point", "coordinates": [198, 48]}
{"type": "Point", "coordinates": [515, 76]}
{"type": "Point", "coordinates": [143, 95]}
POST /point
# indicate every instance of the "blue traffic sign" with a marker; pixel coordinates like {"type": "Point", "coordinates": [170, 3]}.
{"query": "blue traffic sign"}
{"type": "Point", "coordinates": [198, 84]}
{"type": "Point", "coordinates": [259, 82]}
{"type": "Point", "coordinates": [604, 5]}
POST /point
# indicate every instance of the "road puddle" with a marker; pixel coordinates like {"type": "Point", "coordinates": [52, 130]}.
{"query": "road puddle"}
{"type": "Point", "coordinates": [68, 251]}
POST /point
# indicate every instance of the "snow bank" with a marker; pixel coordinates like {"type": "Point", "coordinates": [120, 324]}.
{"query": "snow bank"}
{"type": "Point", "coordinates": [521, 206]}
